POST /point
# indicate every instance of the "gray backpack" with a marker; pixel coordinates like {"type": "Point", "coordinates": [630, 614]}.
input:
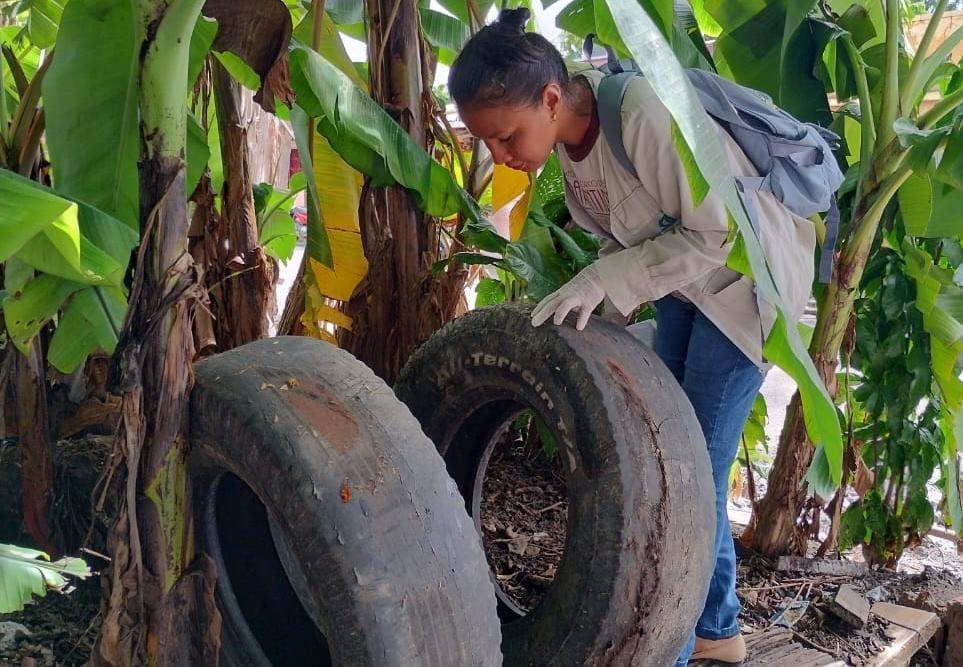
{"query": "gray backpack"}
{"type": "Point", "coordinates": [794, 159]}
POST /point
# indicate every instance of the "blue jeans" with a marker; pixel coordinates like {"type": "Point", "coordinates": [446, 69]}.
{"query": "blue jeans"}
{"type": "Point", "coordinates": [721, 383]}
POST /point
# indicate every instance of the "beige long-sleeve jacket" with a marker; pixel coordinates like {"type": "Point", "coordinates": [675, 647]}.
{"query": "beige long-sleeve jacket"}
{"type": "Point", "coordinates": [640, 262]}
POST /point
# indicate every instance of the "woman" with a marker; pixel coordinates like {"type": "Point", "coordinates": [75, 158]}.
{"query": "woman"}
{"type": "Point", "coordinates": [514, 93]}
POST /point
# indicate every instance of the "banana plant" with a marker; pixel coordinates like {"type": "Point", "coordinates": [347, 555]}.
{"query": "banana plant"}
{"type": "Point", "coordinates": [900, 401]}
{"type": "Point", "coordinates": [276, 230]}
{"type": "Point", "coordinates": [53, 250]}
{"type": "Point", "coordinates": [778, 59]}
{"type": "Point", "coordinates": [901, 155]}
{"type": "Point", "coordinates": [63, 240]}
{"type": "Point", "coordinates": [85, 229]}
{"type": "Point", "coordinates": [542, 251]}
{"type": "Point", "coordinates": [151, 537]}
{"type": "Point", "coordinates": [939, 298]}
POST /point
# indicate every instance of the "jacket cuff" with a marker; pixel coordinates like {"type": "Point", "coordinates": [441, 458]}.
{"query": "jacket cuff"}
{"type": "Point", "coordinates": [625, 282]}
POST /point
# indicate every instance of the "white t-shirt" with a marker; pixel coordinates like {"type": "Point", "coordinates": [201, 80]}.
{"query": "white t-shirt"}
{"type": "Point", "coordinates": [586, 181]}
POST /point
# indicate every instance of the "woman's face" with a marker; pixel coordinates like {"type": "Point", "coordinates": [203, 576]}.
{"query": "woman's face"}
{"type": "Point", "coordinates": [520, 137]}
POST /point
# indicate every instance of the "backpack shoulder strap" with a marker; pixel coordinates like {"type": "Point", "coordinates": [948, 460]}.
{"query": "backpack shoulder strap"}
{"type": "Point", "coordinates": [829, 243]}
{"type": "Point", "coordinates": [611, 91]}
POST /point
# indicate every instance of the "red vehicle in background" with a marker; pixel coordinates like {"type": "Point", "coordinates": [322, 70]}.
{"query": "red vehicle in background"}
{"type": "Point", "coordinates": [300, 216]}
{"type": "Point", "coordinates": [298, 213]}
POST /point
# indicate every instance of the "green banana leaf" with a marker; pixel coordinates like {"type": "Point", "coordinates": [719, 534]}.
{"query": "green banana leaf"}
{"type": "Point", "coordinates": [201, 40]}
{"type": "Point", "coordinates": [915, 88]}
{"type": "Point", "coordinates": [27, 55]}
{"type": "Point", "coordinates": [446, 33]}
{"type": "Point", "coordinates": [239, 70]}
{"type": "Point", "coordinates": [29, 309]}
{"type": "Point", "coordinates": [318, 246]}
{"type": "Point", "coordinates": [26, 209]}
{"type": "Point", "coordinates": [947, 217]}
{"type": "Point", "coordinates": [91, 321]}
{"type": "Point", "coordinates": [872, 9]}
{"type": "Point", "coordinates": [325, 92]}
{"type": "Point", "coordinates": [916, 203]}
{"type": "Point", "coordinates": [90, 103]}
{"type": "Point", "coordinates": [331, 47]}
{"type": "Point", "coordinates": [73, 244]}
{"type": "Point", "coordinates": [773, 47]}
{"type": "Point", "coordinates": [86, 262]}
{"type": "Point", "coordinates": [676, 20]}
{"type": "Point", "coordinates": [578, 18]}
{"type": "Point", "coordinates": [198, 153]}
{"type": "Point", "coordinates": [28, 572]}
{"type": "Point", "coordinates": [16, 274]}
{"type": "Point", "coordinates": [365, 160]}
{"type": "Point", "coordinates": [459, 8]}
{"type": "Point", "coordinates": [44, 229]}
{"type": "Point", "coordinates": [641, 38]}
{"type": "Point", "coordinates": [276, 229]}
{"type": "Point", "coordinates": [43, 21]}
{"type": "Point", "coordinates": [950, 169]}
{"type": "Point", "coordinates": [345, 12]}
{"type": "Point", "coordinates": [940, 299]}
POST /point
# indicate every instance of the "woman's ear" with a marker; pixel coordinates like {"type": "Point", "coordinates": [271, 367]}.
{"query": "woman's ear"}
{"type": "Point", "coordinates": [552, 97]}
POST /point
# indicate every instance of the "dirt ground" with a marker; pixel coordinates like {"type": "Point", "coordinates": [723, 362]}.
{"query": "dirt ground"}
{"type": "Point", "coordinates": [803, 603]}
{"type": "Point", "coordinates": [523, 517]}
{"type": "Point", "coordinates": [62, 629]}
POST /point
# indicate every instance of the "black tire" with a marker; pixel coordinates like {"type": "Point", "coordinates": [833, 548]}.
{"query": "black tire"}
{"type": "Point", "coordinates": [306, 468]}
{"type": "Point", "coordinates": [638, 551]}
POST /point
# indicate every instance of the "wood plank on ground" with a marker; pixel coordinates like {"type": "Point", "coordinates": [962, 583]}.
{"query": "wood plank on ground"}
{"type": "Point", "coordinates": [910, 630]}
{"type": "Point", "coordinates": [776, 647]}
{"type": "Point", "coordinates": [845, 568]}
{"type": "Point", "coordinates": [849, 605]}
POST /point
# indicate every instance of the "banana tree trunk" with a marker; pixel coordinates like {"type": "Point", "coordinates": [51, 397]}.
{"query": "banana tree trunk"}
{"type": "Point", "coordinates": [775, 519]}
{"type": "Point", "coordinates": [241, 278]}
{"type": "Point", "coordinates": [160, 608]}
{"type": "Point", "coordinates": [775, 522]}
{"type": "Point", "coordinates": [36, 447]}
{"type": "Point", "coordinates": [290, 323]}
{"type": "Point", "coordinates": [388, 308]}
{"type": "Point", "coordinates": [400, 303]}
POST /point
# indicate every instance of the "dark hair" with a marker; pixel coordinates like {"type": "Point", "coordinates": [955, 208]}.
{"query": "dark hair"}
{"type": "Point", "coordinates": [503, 64]}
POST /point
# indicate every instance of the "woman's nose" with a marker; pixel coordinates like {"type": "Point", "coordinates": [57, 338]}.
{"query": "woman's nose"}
{"type": "Point", "coordinates": [499, 155]}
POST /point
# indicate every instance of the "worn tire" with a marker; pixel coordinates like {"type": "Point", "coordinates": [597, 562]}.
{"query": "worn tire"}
{"type": "Point", "coordinates": [306, 468]}
{"type": "Point", "coordinates": [637, 558]}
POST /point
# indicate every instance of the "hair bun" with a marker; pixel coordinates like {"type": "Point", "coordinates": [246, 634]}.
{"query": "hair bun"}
{"type": "Point", "coordinates": [513, 20]}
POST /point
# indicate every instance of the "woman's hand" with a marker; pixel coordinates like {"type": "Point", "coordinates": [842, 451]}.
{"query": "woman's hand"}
{"type": "Point", "coordinates": [583, 293]}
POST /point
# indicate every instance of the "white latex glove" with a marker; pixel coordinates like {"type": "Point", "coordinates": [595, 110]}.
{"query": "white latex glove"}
{"type": "Point", "coordinates": [582, 293]}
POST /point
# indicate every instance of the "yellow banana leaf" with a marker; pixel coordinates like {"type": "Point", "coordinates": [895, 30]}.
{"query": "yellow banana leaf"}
{"type": "Point", "coordinates": [520, 211]}
{"type": "Point", "coordinates": [339, 195]}
{"type": "Point", "coordinates": [318, 315]}
{"type": "Point", "coordinates": [507, 185]}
